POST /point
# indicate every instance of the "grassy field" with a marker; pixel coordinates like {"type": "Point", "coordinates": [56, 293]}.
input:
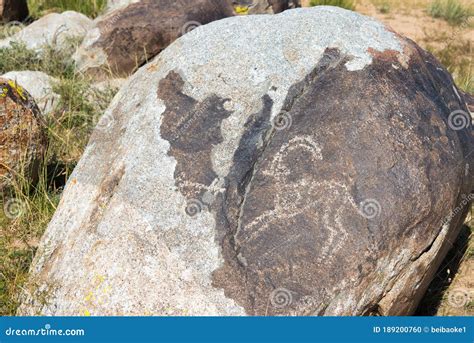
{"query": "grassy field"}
{"type": "Point", "coordinates": [91, 8]}
{"type": "Point", "coordinates": [443, 27]}
{"type": "Point", "coordinates": [453, 11]}
{"type": "Point", "coordinates": [347, 4]}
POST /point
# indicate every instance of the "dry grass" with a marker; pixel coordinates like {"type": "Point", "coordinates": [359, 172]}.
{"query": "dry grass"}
{"type": "Point", "coordinates": [451, 45]}
{"type": "Point", "coordinates": [453, 11]}
{"type": "Point", "coordinates": [455, 50]}
{"type": "Point", "coordinates": [68, 129]}
{"type": "Point", "coordinates": [383, 6]}
{"type": "Point", "coordinates": [347, 4]}
{"type": "Point", "coordinates": [91, 8]}
{"type": "Point", "coordinates": [451, 293]}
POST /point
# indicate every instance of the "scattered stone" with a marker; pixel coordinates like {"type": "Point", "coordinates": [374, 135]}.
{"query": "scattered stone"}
{"type": "Point", "coordinates": [22, 139]}
{"type": "Point", "coordinates": [242, 172]}
{"type": "Point", "coordinates": [57, 30]}
{"type": "Point", "coordinates": [125, 39]}
{"type": "Point", "coordinates": [113, 5]}
{"type": "Point", "coordinates": [13, 10]}
{"type": "Point", "coordinates": [39, 85]}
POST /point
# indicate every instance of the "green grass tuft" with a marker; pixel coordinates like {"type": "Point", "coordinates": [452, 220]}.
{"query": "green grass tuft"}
{"type": "Point", "coordinates": [91, 8]}
{"type": "Point", "coordinates": [383, 6]}
{"type": "Point", "coordinates": [52, 62]}
{"type": "Point", "coordinates": [453, 11]}
{"type": "Point", "coordinates": [347, 4]}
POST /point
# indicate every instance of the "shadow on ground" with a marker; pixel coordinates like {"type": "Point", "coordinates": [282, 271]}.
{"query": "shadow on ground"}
{"type": "Point", "coordinates": [437, 290]}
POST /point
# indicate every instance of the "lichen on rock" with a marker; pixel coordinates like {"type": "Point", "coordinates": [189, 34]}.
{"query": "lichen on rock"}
{"type": "Point", "coordinates": [22, 139]}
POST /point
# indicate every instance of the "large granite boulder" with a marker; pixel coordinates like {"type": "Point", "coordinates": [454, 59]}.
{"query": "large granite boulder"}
{"type": "Point", "coordinates": [54, 30]}
{"type": "Point", "coordinates": [249, 170]}
{"type": "Point", "coordinates": [126, 38]}
{"type": "Point", "coordinates": [13, 10]}
{"type": "Point", "coordinates": [39, 85]}
{"type": "Point", "coordinates": [22, 139]}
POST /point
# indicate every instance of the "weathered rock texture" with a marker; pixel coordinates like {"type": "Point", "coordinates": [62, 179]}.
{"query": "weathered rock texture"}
{"type": "Point", "coordinates": [264, 173]}
{"type": "Point", "coordinates": [56, 30]}
{"type": "Point", "coordinates": [39, 85]}
{"type": "Point", "coordinates": [13, 10]}
{"type": "Point", "coordinates": [264, 6]}
{"type": "Point", "coordinates": [127, 38]}
{"type": "Point", "coordinates": [21, 133]}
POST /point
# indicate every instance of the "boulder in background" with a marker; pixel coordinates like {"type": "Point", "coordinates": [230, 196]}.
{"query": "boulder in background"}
{"type": "Point", "coordinates": [13, 10]}
{"type": "Point", "coordinates": [39, 85]}
{"type": "Point", "coordinates": [22, 139]}
{"type": "Point", "coordinates": [56, 30]}
{"type": "Point", "coordinates": [125, 39]}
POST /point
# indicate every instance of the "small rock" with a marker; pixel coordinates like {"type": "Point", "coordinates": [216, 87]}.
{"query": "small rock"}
{"type": "Point", "coordinates": [125, 39]}
{"type": "Point", "coordinates": [54, 29]}
{"type": "Point", "coordinates": [39, 85]}
{"type": "Point", "coordinates": [113, 5]}
{"type": "Point", "coordinates": [13, 10]}
{"type": "Point", "coordinates": [22, 140]}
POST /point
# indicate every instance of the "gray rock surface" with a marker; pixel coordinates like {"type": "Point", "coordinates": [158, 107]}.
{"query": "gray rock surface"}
{"type": "Point", "coordinates": [40, 87]}
{"type": "Point", "coordinates": [113, 5]}
{"type": "Point", "coordinates": [249, 170]}
{"type": "Point", "coordinates": [53, 29]}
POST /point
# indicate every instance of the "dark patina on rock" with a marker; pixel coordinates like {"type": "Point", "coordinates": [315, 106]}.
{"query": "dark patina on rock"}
{"type": "Point", "coordinates": [131, 36]}
{"type": "Point", "coordinates": [13, 10]}
{"type": "Point", "coordinates": [329, 172]}
{"type": "Point", "coordinates": [192, 128]}
{"type": "Point", "coordinates": [352, 180]}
